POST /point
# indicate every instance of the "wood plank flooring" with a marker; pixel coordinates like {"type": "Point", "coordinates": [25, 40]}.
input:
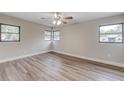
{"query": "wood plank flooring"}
{"type": "Point", "coordinates": [53, 67]}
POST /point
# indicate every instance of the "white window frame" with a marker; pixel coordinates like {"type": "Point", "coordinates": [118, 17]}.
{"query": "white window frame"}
{"type": "Point", "coordinates": [53, 35]}
{"type": "Point", "coordinates": [48, 35]}
{"type": "Point", "coordinates": [106, 33]}
{"type": "Point", "coordinates": [9, 33]}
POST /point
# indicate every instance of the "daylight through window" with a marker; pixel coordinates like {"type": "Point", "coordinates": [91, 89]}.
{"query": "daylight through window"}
{"type": "Point", "coordinates": [52, 35]}
{"type": "Point", "coordinates": [111, 33]}
{"type": "Point", "coordinates": [56, 35]}
{"type": "Point", "coordinates": [9, 33]}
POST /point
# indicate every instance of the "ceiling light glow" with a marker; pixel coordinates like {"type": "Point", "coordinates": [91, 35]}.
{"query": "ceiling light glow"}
{"type": "Point", "coordinates": [59, 22]}
{"type": "Point", "coordinates": [54, 22]}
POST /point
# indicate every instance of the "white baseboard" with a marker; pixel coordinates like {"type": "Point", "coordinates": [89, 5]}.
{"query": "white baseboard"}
{"type": "Point", "coordinates": [27, 55]}
{"type": "Point", "coordinates": [93, 59]}
{"type": "Point", "coordinates": [78, 56]}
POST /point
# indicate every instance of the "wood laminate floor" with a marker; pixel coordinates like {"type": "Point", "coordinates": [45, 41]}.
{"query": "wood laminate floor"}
{"type": "Point", "coordinates": [49, 66]}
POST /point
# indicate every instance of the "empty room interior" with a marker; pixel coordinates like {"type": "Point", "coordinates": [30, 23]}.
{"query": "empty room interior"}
{"type": "Point", "coordinates": [61, 46]}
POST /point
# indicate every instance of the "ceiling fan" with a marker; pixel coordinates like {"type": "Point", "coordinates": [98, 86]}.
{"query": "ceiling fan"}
{"type": "Point", "coordinates": [59, 19]}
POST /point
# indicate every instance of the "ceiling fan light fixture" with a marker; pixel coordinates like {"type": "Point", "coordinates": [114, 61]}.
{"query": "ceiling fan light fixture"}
{"type": "Point", "coordinates": [59, 22]}
{"type": "Point", "coordinates": [54, 22]}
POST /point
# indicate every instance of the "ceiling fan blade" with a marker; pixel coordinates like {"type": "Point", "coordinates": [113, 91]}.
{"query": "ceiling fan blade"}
{"type": "Point", "coordinates": [64, 22]}
{"type": "Point", "coordinates": [55, 15]}
{"type": "Point", "coordinates": [44, 18]}
{"type": "Point", "coordinates": [70, 17]}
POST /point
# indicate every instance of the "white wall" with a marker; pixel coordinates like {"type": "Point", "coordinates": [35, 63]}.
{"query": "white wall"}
{"type": "Point", "coordinates": [32, 39]}
{"type": "Point", "coordinates": [77, 39]}
{"type": "Point", "coordinates": [82, 40]}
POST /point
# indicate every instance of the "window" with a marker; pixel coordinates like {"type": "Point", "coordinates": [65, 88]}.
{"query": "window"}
{"type": "Point", "coordinates": [48, 35]}
{"type": "Point", "coordinates": [56, 35]}
{"type": "Point", "coordinates": [52, 35]}
{"type": "Point", "coordinates": [9, 33]}
{"type": "Point", "coordinates": [111, 33]}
